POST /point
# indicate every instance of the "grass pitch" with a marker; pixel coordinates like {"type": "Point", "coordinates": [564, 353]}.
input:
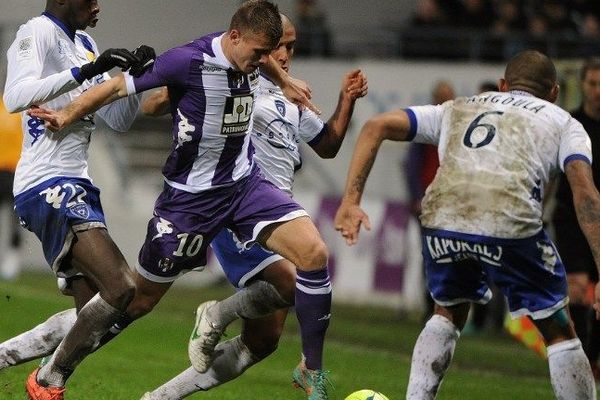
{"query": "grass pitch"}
{"type": "Point", "coordinates": [365, 348]}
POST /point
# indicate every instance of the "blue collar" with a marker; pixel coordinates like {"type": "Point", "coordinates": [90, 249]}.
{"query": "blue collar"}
{"type": "Point", "coordinates": [61, 25]}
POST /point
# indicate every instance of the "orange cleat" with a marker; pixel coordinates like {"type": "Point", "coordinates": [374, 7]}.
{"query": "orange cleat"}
{"type": "Point", "coordinates": [35, 391]}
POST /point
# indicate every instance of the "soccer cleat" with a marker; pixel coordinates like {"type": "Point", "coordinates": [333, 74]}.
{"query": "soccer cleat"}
{"type": "Point", "coordinates": [205, 337]}
{"type": "Point", "coordinates": [35, 391]}
{"type": "Point", "coordinates": [313, 382]}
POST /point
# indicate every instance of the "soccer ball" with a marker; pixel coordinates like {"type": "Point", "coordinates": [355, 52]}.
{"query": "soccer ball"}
{"type": "Point", "coordinates": [366, 394]}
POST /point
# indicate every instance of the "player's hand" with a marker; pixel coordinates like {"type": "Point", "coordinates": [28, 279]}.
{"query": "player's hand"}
{"type": "Point", "coordinates": [146, 56]}
{"type": "Point", "coordinates": [355, 85]}
{"type": "Point", "coordinates": [109, 59]}
{"type": "Point", "coordinates": [54, 121]}
{"type": "Point", "coordinates": [299, 93]}
{"type": "Point", "coordinates": [348, 219]}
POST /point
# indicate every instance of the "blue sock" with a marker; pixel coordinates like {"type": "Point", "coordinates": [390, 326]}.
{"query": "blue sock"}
{"type": "Point", "coordinates": [313, 310]}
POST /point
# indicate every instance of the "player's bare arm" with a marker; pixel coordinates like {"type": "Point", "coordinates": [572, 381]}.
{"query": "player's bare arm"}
{"type": "Point", "coordinates": [586, 200]}
{"type": "Point", "coordinates": [88, 102]}
{"type": "Point", "coordinates": [354, 86]}
{"type": "Point", "coordinates": [393, 125]}
{"type": "Point", "coordinates": [295, 90]}
{"type": "Point", "coordinates": [157, 103]}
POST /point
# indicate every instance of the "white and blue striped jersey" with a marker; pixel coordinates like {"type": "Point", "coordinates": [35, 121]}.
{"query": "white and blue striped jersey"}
{"type": "Point", "coordinates": [279, 127]}
{"type": "Point", "coordinates": [497, 153]}
{"type": "Point", "coordinates": [211, 107]}
{"type": "Point", "coordinates": [43, 69]}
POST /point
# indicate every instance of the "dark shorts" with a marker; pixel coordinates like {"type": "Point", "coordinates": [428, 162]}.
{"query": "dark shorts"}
{"type": "Point", "coordinates": [574, 250]}
{"type": "Point", "coordinates": [528, 271]}
{"type": "Point", "coordinates": [54, 210]}
{"type": "Point", "coordinates": [185, 223]}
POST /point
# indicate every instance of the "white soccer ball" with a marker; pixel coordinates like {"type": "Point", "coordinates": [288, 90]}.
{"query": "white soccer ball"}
{"type": "Point", "coordinates": [366, 394]}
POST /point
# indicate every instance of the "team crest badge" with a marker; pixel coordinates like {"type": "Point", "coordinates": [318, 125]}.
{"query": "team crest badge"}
{"type": "Point", "coordinates": [165, 264]}
{"type": "Point", "coordinates": [280, 107]}
{"type": "Point", "coordinates": [81, 210]}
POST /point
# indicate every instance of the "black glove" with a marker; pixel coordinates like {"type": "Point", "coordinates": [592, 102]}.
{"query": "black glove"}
{"type": "Point", "coordinates": [146, 56]}
{"type": "Point", "coordinates": [109, 59]}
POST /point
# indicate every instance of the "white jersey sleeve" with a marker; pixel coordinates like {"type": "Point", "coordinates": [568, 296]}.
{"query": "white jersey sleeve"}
{"type": "Point", "coordinates": [120, 114]}
{"type": "Point", "coordinates": [426, 123]}
{"type": "Point", "coordinates": [24, 85]}
{"type": "Point", "coordinates": [310, 126]}
{"type": "Point", "coordinates": [575, 144]}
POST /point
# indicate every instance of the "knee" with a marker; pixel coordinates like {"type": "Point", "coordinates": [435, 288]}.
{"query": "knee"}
{"type": "Point", "coordinates": [263, 344]}
{"type": "Point", "coordinates": [140, 306]}
{"type": "Point", "coordinates": [122, 291]}
{"type": "Point", "coordinates": [456, 314]}
{"type": "Point", "coordinates": [316, 256]}
{"type": "Point", "coordinates": [556, 328]}
{"type": "Point", "coordinates": [282, 275]}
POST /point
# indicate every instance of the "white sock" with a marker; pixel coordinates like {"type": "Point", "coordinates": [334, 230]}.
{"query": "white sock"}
{"type": "Point", "coordinates": [232, 358]}
{"type": "Point", "coordinates": [570, 371]}
{"type": "Point", "coordinates": [431, 357]}
{"type": "Point", "coordinates": [37, 342]}
{"type": "Point", "coordinates": [254, 301]}
{"type": "Point", "coordinates": [93, 321]}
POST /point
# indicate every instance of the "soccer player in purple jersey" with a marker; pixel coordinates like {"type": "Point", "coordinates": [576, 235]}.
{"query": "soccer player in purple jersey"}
{"type": "Point", "coordinates": [482, 215]}
{"type": "Point", "coordinates": [51, 61]}
{"type": "Point", "coordinates": [266, 280]}
{"type": "Point", "coordinates": [211, 181]}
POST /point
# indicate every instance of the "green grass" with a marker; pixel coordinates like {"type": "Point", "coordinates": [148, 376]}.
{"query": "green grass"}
{"type": "Point", "coordinates": [366, 348]}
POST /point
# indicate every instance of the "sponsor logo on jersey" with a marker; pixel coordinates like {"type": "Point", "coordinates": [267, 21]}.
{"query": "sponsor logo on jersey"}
{"type": "Point", "coordinates": [210, 69]}
{"type": "Point", "coordinates": [445, 250]}
{"type": "Point", "coordinates": [237, 113]}
{"type": "Point", "coordinates": [35, 129]}
{"type": "Point", "coordinates": [184, 127]}
{"type": "Point", "coordinates": [280, 134]}
{"type": "Point", "coordinates": [548, 255]}
{"type": "Point", "coordinates": [163, 227]}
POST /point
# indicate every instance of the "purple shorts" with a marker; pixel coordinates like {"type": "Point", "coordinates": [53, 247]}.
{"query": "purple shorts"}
{"type": "Point", "coordinates": [185, 223]}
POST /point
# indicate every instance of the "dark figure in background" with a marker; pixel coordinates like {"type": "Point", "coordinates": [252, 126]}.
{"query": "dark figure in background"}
{"type": "Point", "coordinates": [313, 30]}
{"type": "Point", "coordinates": [421, 165]}
{"type": "Point", "coordinates": [572, 246]}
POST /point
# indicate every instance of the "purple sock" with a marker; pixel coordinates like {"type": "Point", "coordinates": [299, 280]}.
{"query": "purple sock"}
{"type": "Point", "coordinates": [313, 310]}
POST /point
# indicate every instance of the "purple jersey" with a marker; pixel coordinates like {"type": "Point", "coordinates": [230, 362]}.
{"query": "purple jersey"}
{"type": "Point", "coordinates": [211, 105]}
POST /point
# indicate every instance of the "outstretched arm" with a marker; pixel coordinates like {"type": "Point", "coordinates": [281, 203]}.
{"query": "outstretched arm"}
{"type": "Point", "coordinates": [354, 86]}
{"type": "Point", "coordinates": [157, 103]}
{"type": "Point", "coordinates": [295, 90]}
{"type": "Point", "coordinates": [88, 102]}
{"type": "Point", "coordinates": [393, 125]}
{"type": "Point", "coordinates": [586, 200]}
